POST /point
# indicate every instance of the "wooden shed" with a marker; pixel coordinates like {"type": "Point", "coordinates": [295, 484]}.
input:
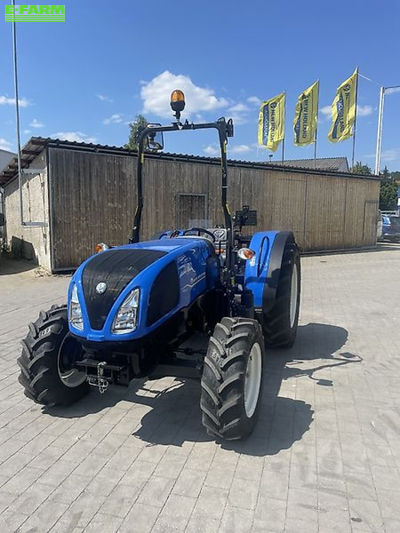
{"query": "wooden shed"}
{"type": "Point", "coordinates": [75, 195]}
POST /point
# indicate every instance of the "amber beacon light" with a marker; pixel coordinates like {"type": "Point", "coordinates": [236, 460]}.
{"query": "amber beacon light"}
{"type": "Point", "coordinates": [177, 102]}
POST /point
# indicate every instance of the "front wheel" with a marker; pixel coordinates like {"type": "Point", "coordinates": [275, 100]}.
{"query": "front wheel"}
{"type": "Point", "coordinates": [231, 383]}
{"type": "Point", "coordinates": [47, 361]}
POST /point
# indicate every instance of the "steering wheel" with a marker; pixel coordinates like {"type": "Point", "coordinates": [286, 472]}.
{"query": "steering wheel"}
{"type": "Point", "coordinates": [199, 231]}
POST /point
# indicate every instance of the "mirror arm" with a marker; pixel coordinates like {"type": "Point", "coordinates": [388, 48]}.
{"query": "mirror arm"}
{"type": "Point", "coordinates": [139, 188]}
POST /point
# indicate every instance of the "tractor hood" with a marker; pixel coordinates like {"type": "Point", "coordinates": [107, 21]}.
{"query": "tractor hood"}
{"type": "Point", "coordinates": [169, 273]}
{"type": "Point", "coordinates": [115, 268]}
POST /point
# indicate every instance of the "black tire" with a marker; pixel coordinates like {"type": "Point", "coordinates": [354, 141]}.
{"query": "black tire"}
{"type": "Point", "coordinates": [45, 349]}
{"type": "Point", "coordinates": [223, 381]}
{"type": "Point", "coordinates": [278, 328]}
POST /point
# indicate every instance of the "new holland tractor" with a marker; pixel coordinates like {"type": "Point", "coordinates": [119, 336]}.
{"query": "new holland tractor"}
{"type": "Point", "coordinates": [137, 307]}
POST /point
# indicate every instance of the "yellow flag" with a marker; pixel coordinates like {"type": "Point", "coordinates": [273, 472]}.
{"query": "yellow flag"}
{"type": "Point", "coordinates": [271, 122]}
{"type": "Point", "coordinates": [344, 110]}
{"type": "Point", "coordinates": [305, 120]}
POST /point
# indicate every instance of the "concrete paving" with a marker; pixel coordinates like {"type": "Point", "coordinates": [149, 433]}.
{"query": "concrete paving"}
{"type": "Point", "coordinates": [325, 455]}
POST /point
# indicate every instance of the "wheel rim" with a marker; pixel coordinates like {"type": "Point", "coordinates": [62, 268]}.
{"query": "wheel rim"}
{"type": "Point", "coordinates": [252, 380]}
{"type": "Point", "coordinates": [294, 289]}
{"type": "Point", "coordinates": [69, 352]}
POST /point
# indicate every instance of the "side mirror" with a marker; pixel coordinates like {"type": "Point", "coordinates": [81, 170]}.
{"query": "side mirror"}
{"type": "Point", "coordinates": [229, 128]}
{"type": "Point", "coordinates": [155, 139]}
{"type": "Point", "coordinates": [2, 219]}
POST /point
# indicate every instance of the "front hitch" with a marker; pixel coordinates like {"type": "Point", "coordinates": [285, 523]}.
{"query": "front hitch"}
{"type": "Point", "coordinates": [101, 374]}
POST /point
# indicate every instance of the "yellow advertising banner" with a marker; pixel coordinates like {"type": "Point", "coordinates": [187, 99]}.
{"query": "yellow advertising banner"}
{"type": "Point", "coordinates": [271, 122]}
{"type": "Point", "coordinates": [306, 116]}
{"type": "Point", "coordinates": [344, 110]}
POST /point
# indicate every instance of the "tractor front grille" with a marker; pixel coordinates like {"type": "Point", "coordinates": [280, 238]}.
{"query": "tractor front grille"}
{"type": "Point", "coordinates": [115, 268]}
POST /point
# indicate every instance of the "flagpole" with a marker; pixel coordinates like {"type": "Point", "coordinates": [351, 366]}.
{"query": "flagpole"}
{"type": "Point", "coordinates": [355, 124]}
{"type": "Point", "coordinates": [284, 132]}
{"type": "Point", "coordinates": [316, 132]}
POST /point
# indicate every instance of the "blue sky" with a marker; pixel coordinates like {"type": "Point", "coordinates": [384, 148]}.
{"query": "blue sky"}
{"type": "Point", "coordinates": [85, 79]}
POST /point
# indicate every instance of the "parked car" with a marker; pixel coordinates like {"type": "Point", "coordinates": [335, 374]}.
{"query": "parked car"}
{"type": "Point", "coordinates": [379, 227]}
{"type": "Point", "coordinates": [390, 227]}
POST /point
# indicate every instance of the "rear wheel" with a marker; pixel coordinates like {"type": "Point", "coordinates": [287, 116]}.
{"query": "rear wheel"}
{"type": "Point", "coordinates": [232, 378]}
{"type": "Point", "coordinates": [280, 323]}
{"type": "Point", "coordinates": [47, 361]}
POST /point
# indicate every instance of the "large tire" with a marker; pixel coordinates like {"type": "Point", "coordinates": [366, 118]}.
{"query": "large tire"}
{"type": "Point", "coordinates": [46, 362]}
{"type": "Point", "coordinates": [229, 404]}
{"type": "Point", "coordinates": [280, 323]}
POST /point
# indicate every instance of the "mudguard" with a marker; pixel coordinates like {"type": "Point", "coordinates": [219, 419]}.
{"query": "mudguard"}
{"type": "Point", "coordinates": [263, 270]}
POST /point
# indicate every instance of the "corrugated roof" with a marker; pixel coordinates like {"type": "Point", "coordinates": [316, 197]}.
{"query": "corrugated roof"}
{"type": "Point", "coordinates": [36, 145]}
{"type": "Point", "coordinates": [336, 164]}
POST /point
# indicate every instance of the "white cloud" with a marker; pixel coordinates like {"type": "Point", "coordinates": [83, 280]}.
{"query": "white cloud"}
{"type": "Point", "coordinates": [239, 149]}
{"type": "Point", "coordinates": [116, 118]}
{"type": "Point", "coordinates": [326, 110]}
{"type": "Point", "coordinates": [27, 132]}
{"type": "Point", "coordinates": [5, 145]}
{"type": "Point", "coordinates": [74, 136]}
{"type": "Point", "coordinates": [238, 113]}
{"type": "Point", "coordinates": [364, 110]}
{"type": "Point", "coordinates": [238, 108]}
{"type": "Point", "coordinates": [156, 94]}
{"type": "Point", "coordinates": [211, 149]}
{"type": "Point", "coordinates": [393, 90]}
{"type": "Point", "coordinates": [36, 124]}
{"type": "Point", "coordinates": [104, 98]}
{"type": "Point", "coordinates": [23, 102]}
{"type": "Point", "coordinates": [254, 100]}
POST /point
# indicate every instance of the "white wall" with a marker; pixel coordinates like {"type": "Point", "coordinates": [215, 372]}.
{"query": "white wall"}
{"type": "Point", "coordinates": [30, 242]}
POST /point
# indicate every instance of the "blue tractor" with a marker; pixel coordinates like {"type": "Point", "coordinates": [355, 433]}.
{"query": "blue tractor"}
{"type": "Point", "coordinates": [140, 307]}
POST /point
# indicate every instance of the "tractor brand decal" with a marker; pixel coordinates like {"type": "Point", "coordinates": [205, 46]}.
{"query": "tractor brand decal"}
{"type": "Point", "coordinates": [101, 287]}
{"type": "Point", "coordinates": [35, 13]}
{"type": "Point", "coordinates": [187, 273]}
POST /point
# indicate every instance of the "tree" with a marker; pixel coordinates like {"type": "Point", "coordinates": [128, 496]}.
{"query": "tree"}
{"type": "Point", "coordinates": [385, 173]}
{"type": "Point", "coordinates": [139, 123]}
{"type": "Point", "coordinates": [388, 195]}
{"type": "Point", "coordinates": [395, 175]}
{"type": "Point", "coordinates": [359, 168]}
{"type": "Point", "coordinates": [388, 191]}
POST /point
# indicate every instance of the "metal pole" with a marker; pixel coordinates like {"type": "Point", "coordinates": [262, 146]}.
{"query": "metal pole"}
{"type": "Point", "coordinates": [14, 37]}
{"type": "Point", "coordinates": [316, 133]}
{"type": "Point", "coordinates": [355, 123]}
{"type": "Point", "coordinates": [283, 140]}
{"type": "Point", "coordinates": [379, 133]}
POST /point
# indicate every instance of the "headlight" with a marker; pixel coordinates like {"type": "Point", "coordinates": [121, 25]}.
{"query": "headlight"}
{"type": "Point", "coordinates": [125, 319]}
{"type": "Point", "coordinates": [75, 311]}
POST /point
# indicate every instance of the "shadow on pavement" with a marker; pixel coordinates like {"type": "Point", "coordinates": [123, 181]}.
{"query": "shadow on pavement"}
{"type": "Point", "coordinates": [175, 417]}
{"type": "Point", "coordinates": [10, 265]}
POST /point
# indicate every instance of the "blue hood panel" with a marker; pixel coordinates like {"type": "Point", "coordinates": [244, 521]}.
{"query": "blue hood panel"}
{"type": "Point", "coordinates": [138, 265]}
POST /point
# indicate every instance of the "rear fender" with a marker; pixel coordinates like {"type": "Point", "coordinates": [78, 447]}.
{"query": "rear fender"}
{"type": "Point", "coordinates": [263, 270]}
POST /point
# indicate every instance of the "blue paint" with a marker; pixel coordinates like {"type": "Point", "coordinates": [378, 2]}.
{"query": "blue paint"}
{"type": "Point", "coordinates": [256, 269]}
{"type": "Point", "coordinates": [190, 256]}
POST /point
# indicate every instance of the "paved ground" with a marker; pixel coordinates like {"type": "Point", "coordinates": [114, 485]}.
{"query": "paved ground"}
{"type": "Point", "coordinates": [325, 455]}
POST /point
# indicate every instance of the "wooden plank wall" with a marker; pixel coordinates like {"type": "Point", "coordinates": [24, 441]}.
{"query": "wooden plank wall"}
{"type": "Point", "coordinates": [93, 199]}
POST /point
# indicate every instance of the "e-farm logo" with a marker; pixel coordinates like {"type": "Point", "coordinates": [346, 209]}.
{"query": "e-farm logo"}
{"type": "Point", "coordinates": [35, 13]}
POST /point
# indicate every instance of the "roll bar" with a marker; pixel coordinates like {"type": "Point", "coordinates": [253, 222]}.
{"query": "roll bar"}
{"type": "Point", "coordinates": [225, 130]}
